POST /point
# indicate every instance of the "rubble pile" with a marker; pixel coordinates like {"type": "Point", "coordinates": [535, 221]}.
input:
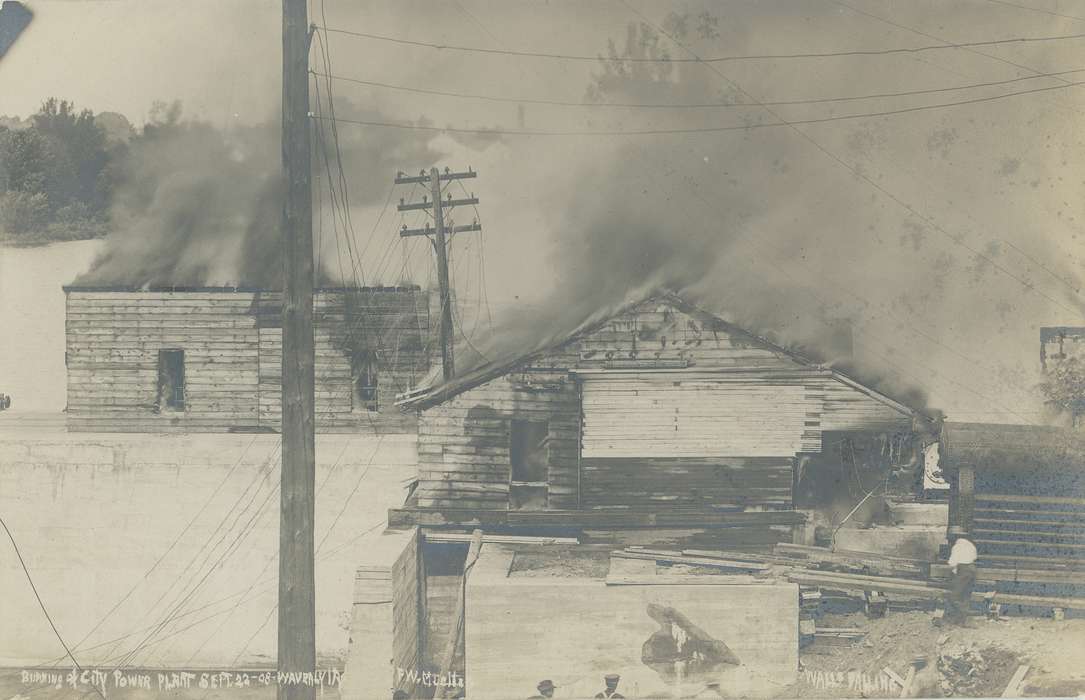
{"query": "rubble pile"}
{"type": "Point", "coordinates": [974, 672]}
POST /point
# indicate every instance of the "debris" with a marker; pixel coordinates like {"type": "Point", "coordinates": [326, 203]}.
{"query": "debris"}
{"type": "Point", "coordinates": [1016, 684]}
{"type": "Point", "coordinates": [894, 675]}
{"type": "Point", "coordinates": [876, 604]}
{"type": "Point", "coordinates": [906, 691]}
{"type": "Point", "coordinates": [679, 558]}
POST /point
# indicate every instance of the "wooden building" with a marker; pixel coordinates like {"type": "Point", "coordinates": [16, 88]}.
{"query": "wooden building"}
{"type": "Point", "coordinates": [662, 415]}
{"type": "Point", "coordinates": [210, 359]}
{"type": "Point", "coordinates": [1020, 490]}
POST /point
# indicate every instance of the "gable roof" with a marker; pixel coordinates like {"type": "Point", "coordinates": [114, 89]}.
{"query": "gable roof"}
{"type": "Point", "coordinates": [421, 399]}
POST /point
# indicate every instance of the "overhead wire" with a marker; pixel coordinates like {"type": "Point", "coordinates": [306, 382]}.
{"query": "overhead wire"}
{"type": "Point", "coordinates": [700, 105]}
{"type": "Point", "coordinates": [969, 48]}
{"type": "Point", "coordinates": [709, 129]}
{"type": "Point", "coordinates": [710, 60]}
{"type": "Point", "coordinates": [704, 200]}
{"type": "Point", "coordinates": [793, 125]}
{"type": "Point", "coordinates": [41, 603]}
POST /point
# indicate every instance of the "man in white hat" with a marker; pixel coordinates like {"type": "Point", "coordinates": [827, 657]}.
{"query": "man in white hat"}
{"type": "Point", "coordinates": [962, 562]}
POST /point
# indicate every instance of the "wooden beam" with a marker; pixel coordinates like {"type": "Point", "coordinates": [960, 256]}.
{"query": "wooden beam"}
{"type": "Point", "coordinates": [695, 561]}
{"type": "Point", "coordinates": [894, 676]}
{"type": "Point", "coordinates": [1013, 688]}
{"type": "Point", "coordinates": [497, 539]}
{"type": "Point", "coordinates": [456, 633]}
{"type": "Point", "coordinates": [595, 519]}
{"type": "Point", "coordinates": [681, 580]}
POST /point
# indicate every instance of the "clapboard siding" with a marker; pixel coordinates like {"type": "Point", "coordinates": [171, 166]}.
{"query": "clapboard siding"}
{"type": "Point", "coordinates": [463, 455]}
{"type": "Point", "coordinates": [665, 415]}
{"type": "Point", "coordinates": [847, 408]}
{"type": "Point", "coordinates": [677, 481]}
{"type": "Point", "coordinates": [232, 342]}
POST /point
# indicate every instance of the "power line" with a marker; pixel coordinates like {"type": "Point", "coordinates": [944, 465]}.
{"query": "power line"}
{"type": "Point", "coordinates": [839, 161]}
{"type": "Point", "coordinates": [905, 27]}
{"type": "Point", "coordinates": [173, 544]}
{"type": "Point", "coordinates": [717, 59]}
{"type": "Point", "coordinates": [793, 125]}
{"type": "Point", "coordinates": [694, 105]}
{"type": "Point", "coordinates": [41, 604]}
{"type": "Point", "coordinates": [1036, 9]}
{"type": "Point", "coordinates": [497, 131]}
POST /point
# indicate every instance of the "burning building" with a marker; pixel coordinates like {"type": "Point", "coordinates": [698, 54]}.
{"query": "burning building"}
{"type": "Point", "coordinates": [660, 410]}
{"type": "Point", "coordinates": [551, 486]}
{"type": "Point", "coordinates": [209, 359]}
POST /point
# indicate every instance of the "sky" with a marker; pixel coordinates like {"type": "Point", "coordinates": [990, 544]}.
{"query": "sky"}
{"type": "Point", "coordinates": [944, 238]}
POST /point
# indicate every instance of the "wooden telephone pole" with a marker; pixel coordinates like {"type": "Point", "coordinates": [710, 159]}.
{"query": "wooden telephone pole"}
{"type": "Point", "coordinates": [297, 595]}
{"type": "Point", "coordinates": [440, 234]}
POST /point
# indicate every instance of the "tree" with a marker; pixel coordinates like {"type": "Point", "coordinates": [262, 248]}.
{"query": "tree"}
{"type": "Point", "coordinates": [55, 174]}
{"type": "Point", "coordinates": [78, 157]}
{"type": "Point", "coordinates": [1065, 387]}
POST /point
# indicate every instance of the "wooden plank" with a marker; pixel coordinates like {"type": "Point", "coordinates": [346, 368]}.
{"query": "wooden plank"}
{"type": "Point", "coordinates": [989, 575]}
{"type": "Point", "coordinates": [909, 679]}
{"type": "Point", "coordinates": [894, 676]}
{"type": "Point", "coordinates": [1047, 500]}
{"type": "Point", "coordinates": [682, 580]}
{"type": "Point", "coordinates": [678, 558]}
{"type": "Point", "coordinates": [1013, 688]}
{"type": "Point", "coordinates": [432, 536]}
{"type": "Point", "coordinates": [455, 638]}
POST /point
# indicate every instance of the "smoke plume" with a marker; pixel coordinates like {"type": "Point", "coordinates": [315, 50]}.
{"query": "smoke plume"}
{"type": "Point", "coordinates": [760, 227]}
{"type": "Point", "coordinates": [198, 206]}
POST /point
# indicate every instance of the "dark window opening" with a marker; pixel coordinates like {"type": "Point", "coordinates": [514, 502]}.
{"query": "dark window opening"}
{"type": "Point", "coordinates": [530, 451]}
{"type": "Point", "coordinates": [171, 380]}
{"type": "Point", "coordinates": [363, 370]}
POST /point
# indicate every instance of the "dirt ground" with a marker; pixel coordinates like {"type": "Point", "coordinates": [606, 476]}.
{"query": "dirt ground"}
{"type": "Point", "coordinates": [974, 662]}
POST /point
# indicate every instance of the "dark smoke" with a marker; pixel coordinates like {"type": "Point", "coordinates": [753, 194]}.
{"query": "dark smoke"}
{"type": "Point", "coordinates": [732, 221]}
{"type": "Point", "coordinates": [198, 206]}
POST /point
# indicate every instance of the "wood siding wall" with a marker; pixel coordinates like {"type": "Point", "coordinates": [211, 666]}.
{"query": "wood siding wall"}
{"type": "Point", "coordinates": [463, 444]}
{"type": "Point", "coordinates": [677, 409]}
{"type": "Point", "coordinates": [408, 616]}
{"type": "Point", "coordinates": [232, 343]}
{"type": "Point", "coordinates": [687, 482]}
{"type": "Point", "coordinates": [667, 415]}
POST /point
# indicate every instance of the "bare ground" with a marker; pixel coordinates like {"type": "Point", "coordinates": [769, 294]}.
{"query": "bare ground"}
{"type": "Point", "coordinates": [975, 662]}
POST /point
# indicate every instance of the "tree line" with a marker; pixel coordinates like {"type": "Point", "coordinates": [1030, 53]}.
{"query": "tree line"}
{"type": "Point", "coordinates": [59, 169]}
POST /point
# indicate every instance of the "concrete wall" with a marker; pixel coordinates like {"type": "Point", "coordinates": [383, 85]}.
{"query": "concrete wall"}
{"type": "Point", "coordinates": [92, 513]}
{"type": "Point", "coordinates": [520, 630]}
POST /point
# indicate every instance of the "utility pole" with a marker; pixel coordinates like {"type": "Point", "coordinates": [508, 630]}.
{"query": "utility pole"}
{"type": "Point", "coordinates": [297, 595]}
{"type": "Point", "coordinates": [440, 237]}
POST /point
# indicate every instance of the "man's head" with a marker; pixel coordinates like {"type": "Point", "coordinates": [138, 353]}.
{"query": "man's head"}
{"type": "Point", "coordinates": [611, 680]}
{"type": "Point", "coordinates": [546, 688]}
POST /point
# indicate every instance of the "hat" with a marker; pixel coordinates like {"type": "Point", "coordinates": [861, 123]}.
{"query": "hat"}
{"type": "Point", "coordinates": [546, 685]}
{"type": "Point", "coordinates": [919, 661]}
{"type": "Point", "coordinates": [612, 678]}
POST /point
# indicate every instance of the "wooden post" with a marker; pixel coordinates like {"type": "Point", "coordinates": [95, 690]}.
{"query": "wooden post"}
{"type": "Point", "coordinates": [458, 617]}
{"type": "Point", "coordinates": [297, 599]}
{"type": "Point", "coordinates": [441, 236]}
{"type": "Point", "coordinates": [439, 242]}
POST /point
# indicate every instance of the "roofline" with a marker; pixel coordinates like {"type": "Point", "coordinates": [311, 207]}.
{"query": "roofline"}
{"type": "Point", "coordinates": [422, 401]}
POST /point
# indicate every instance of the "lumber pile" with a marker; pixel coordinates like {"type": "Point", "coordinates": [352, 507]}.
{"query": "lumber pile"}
{"type": "Point", "coordinates": [853, 562]}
